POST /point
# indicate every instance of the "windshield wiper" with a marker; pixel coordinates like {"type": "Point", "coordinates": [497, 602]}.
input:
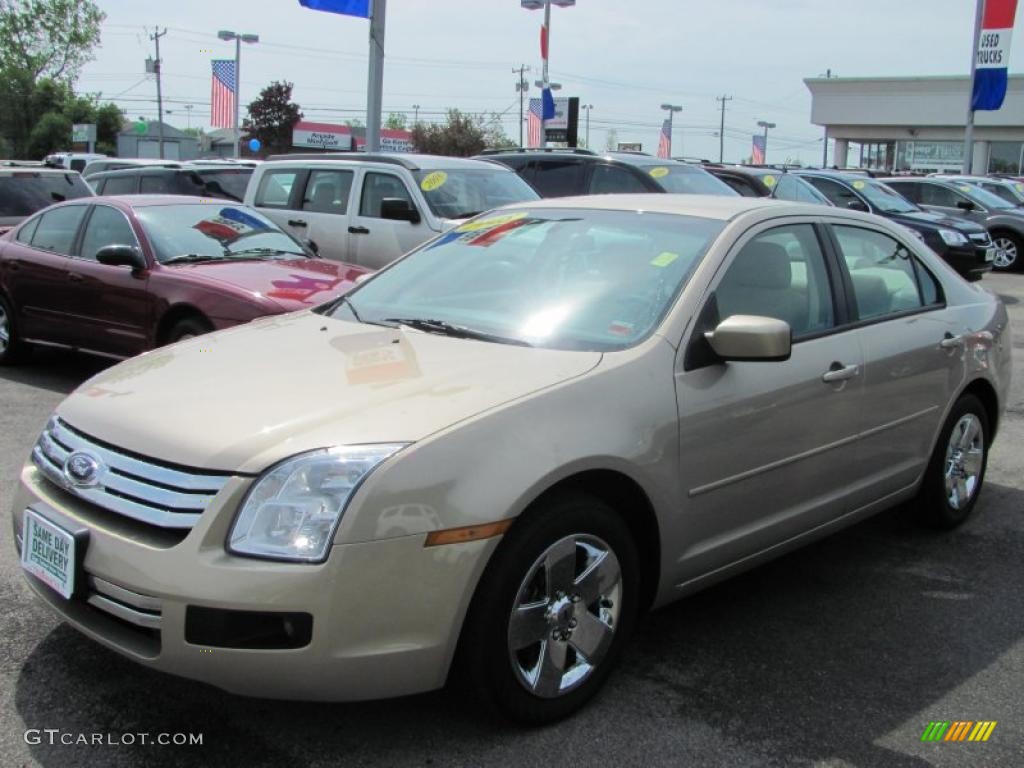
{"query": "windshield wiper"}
{"type": "Point", "coordinates": [193, 258]}
{"type": "Point", "coordinates": [264, 252]}
{"type": "Point", "coordinates": [449, 329]}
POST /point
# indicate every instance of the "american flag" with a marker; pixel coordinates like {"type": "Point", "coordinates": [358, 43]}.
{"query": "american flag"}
{"type": "Point", "coordinates": [665, 140]}
{"type": "Point", "coordinates": [757, 153]}
{"type": "Point", "coordinates": [223, 94]}
{"type": "Point", "coordinates": [534, 124]}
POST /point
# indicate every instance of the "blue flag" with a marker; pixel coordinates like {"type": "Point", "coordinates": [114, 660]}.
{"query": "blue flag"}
{"type": "Point", "coordinates": [549, 105]}
{"type": "Point", "coordinates": [347, 7]}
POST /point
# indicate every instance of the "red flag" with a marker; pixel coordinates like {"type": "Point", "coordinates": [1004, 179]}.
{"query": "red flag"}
{"type": "Point", "coordinates": [543, 42]}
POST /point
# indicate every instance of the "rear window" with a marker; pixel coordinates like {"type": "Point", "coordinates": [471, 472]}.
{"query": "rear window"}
{"type": "Point", "coordinates": [227, 183]}
{"type": "Point", "coordinates": [22, 193]}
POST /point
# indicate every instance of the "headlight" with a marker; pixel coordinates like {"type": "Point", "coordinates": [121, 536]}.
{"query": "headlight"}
{"type": "Point", "coordinates": [952, 237]}
{"type": "Point", "coordinates": [293, 510]}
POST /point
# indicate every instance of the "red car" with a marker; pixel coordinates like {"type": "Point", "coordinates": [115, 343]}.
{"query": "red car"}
{"type": "Point", "coordinates": [119, 275]}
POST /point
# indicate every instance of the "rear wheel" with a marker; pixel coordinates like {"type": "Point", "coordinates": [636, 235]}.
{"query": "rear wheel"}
{"type": "Point", "coordinates": [187, 328]}
{"type": "Point", "coordinates": [1008, 251]}
{"type": "Point", "coordinates": [11, 347]}
{"type": "Point", "coordinates": [553, 611]}
{"type": "Point", "coordinates": [956, 471]}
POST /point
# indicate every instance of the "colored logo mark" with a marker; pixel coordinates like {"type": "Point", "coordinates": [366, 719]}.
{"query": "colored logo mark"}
{"type": "Point", "coordinates": [958, 730]}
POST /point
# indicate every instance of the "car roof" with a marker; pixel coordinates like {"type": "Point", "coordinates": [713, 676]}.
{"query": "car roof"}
{"type": "Point", "coordinates": [158, 169]}
{"type": "Point", "coordinates": [10, 170]}
{"type": "Point", "coordinates": [408, 160]}
{"type": "Point", "coordinates": [721, 207]}
{"type": "Point", "coordinates": [151, 201]}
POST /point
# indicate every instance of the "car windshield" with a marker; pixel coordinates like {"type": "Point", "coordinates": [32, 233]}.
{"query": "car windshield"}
{"type": "Point", "coordinates": [562, 279]}
{"type": "Point", "coordinates": [884, 198]}
{"type": "Point", "coordinates": [460, 193]}
{"type": "Point", "coordinates": [207, 232]}
{"type": "Point", "coordinates": [687, 180]}
{"type": "Point", "coordinates": [984, 197]}
{"type": "Point", "coordinates": [228, 183]}
{"type": "Point", "coordinates": [22, 193]}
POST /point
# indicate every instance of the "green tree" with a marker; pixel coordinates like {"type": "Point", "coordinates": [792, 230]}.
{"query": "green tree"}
{"type": "Point", "coordinates": [272, 117]}
{"type": "Point", "coordinates": [460, 136]}
{"type": "Point", "coordinates": [396, 121]}
{"type": "Point", "coordinates": [494, 132]}
{"type": "Point", "coordinates": [52, 132]}
{"type": "Point", "coordinates": [109, 122]}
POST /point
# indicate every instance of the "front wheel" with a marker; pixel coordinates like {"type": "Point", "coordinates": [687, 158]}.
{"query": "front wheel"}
{"type": "Point", "coordinates": [187, 328]}
{"type": "Point", "coordinates": [11, 347]}
{"type": "Point", "coordinates": [1008, 252]}
{"type": "Point", "coordinates": [956, 471]}
{"type": "Point", "coordinates": [553, 611]}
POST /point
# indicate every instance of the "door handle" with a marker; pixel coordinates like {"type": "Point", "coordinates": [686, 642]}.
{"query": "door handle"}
{"type": "Point", "coordinates": [951, 342]}
{"type": "Point", "coordinates": [296, 223]}
{"type": "Point", "coordinates": [74, 277]}
{"type": "Point", "coordinates": [358, 231]}
{"type": "Point", "coordinates": [839, 372]}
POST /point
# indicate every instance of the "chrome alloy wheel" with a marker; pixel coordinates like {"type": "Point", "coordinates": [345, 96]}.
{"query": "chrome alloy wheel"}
{"type": "Point", "coordinates": [1006, 252]}
{"type": "Point", "coordinates": [964, 457]}
{"type": "Point", "coordinates": [5, 330]}
{"type": "Point", "coordinates": [565, 615]}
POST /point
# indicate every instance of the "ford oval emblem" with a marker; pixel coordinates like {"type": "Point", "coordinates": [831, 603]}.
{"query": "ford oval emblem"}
{"type": "Point", "coordinates": [83, 470]}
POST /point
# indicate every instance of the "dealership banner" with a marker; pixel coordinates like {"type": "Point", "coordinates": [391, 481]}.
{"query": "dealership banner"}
{"type": "Point", "coordinates": [993, 54]}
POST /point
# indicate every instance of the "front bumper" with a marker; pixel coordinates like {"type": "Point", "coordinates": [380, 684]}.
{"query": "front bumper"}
{"type": "Point", "coordinates": [970, 260]}
{"type": "Point", "coordinates": [386, 614]}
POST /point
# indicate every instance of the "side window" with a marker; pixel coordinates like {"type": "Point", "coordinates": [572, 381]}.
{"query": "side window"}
{"type": "Point", "coordinates": [377, 186]}
{"type": "Point", "coordinates": [611, 180]}
{"type": "Point", "coordinates": [1002, 192]}
{"type": "Point", "coordinates": [837, 194]}
{"type": "Point", "coordinates": [933, 194]}
{"type": "Point", "coordinates": [742, 186]}
{"type": "Point", "coordinates": [161, 184]}
{"type": "Point", "coordinates": [883, 271]}
{"type": "Point", "coordinates": [275, 189]}
{"type": "Point", "coordinates": [557, 178]}
{"type": "Point", "coordinates": [106, 226]}
{"type": "Point", "coordinates": [790, 188]}
{"type": "Point", "coordinates": [57, 228]}
{"type": "Point", "coordinates": [781, 273]}
{"type": "Point", "coordinates": [98, 185]}
{"type": "Point", "coordinates": [119, 185]}
{"type": "Point", "coordinates": [909, 189]}
{"type": "Point", "coordinates": [78, 164]}
{"type": "Point", "coordinates": [328, 192]}
{"type": "Point", "coordinates": [25, 233]}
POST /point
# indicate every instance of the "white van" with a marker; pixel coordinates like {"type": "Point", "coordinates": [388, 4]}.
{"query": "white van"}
{"type": "Point", "coordinates": [74, 161]}
{"type": "Point", "coordinates": [370, 208]}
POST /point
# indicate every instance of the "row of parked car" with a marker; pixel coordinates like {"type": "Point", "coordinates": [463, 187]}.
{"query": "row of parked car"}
{"type": "Point", "coordinates": [142, 266]}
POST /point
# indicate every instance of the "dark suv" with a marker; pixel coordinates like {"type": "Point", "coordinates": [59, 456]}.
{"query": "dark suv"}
{"type": "Point", "coordinates": [29, 187]}
{"type": "Point", "coordinates": [966, 246]}
{"type": "Point", "coordinates": [219, 180]}
{"type": "Point", "coordinates": [766, 181]}
{"type": "Point", "coordinates": [565, 172]}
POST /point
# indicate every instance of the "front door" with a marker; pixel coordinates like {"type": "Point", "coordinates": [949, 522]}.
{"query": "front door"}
{"type": "Point", "coordinates": [376, 242]}
{"type": "Point", "coordinates": [768, 449]}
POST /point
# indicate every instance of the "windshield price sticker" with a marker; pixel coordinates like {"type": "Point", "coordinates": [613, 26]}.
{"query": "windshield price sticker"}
{"type": "Point", "coordinates": [490, 222]}
{"type": "Point", "coordinates": [658, 172]}
{"type": "Point", "coordinates": [664, 258]}
{"type": "Point", "coordinates": [433, 180]}
{"type": "Point", "coordinates": [859, 185]}
{"type": "Point", "coordinates": [769, 180]}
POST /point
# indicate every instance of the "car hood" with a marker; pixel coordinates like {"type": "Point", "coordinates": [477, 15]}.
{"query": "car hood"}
{"type": "Point", "coordinates": [292, 284]}
{"type": "Point", "coordinates": [244, 398]}
{"type": "Point", "coordinates": [935, 220]}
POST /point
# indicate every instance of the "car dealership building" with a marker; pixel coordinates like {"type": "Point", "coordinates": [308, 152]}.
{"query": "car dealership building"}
{"type": "Point", "coordinates": [916, 123]}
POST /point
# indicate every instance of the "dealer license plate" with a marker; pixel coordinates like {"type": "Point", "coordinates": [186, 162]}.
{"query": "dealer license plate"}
{"type": "Point", "coordinates": [990, 254]}
{"type": "Point", "coordinates": [48, 553]}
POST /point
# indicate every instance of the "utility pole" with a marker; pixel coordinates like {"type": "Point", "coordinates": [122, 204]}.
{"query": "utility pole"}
{"type": "Point", "coordinates": [522, 86]}
{"type": "Point", "coordinates": [155, 37]}
{"type": "Point", "coordinates": [375, 84]}
{"type": "Point", "coordinates": [588, 107]}
{"type": "Point", "coordinates": [824, 150]}
{"type": "Point", "coordinates": [416, 114]}
{"type": "Point", "coordinates": [721, 130]}
{"type": "Point", "coordinates": [188, 116]}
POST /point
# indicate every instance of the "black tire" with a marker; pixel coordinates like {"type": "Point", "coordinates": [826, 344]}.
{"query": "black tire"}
{"type": "Point", "coordinates": [486, 662]}
{"type": "Point", "coordinates": [186, 328]}
{"type": "Point", "coordinates": [12, 348]}
{"type": "Point", "coordinates": [1008, 241]}
{"type": "Point", "coordinates": [935, 507]}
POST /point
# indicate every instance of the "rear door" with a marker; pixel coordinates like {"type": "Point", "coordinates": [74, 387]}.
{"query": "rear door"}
{"type": "Point", "coordinates": [608, 179]}
{"type": "Point", "coordinates": [557, 176]}
{"type": "Point", "coordinates": [943, 199]}
{"type": "Point", "coordinates": [278, 196]}
{"type": "Point", "coordinates": [376, 242]}
{"type": "Point", "coordinates": [326, 208]}
{"type": "Point", "coordinates": [111, 305]}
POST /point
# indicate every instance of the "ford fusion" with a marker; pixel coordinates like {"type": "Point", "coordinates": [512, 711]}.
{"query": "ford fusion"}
{"type": "Point", "coordinates": [488, 459]}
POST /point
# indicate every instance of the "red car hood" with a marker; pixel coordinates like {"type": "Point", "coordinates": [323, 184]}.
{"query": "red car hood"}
{"type": "Point", "coordinates": [293, 284]}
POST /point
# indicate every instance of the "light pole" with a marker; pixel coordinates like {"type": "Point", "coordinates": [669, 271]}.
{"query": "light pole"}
{"type": "Point", "coordinates": [416, 114]}
{"type": "Point", "coordinates": [545, 83]}
{"type": "Point", "coordinates": [766, 125]}
{"type": "Point", "coordinates": [588, 107]}
{"type": "Point", "coordinates": [522, 87]}
{"type": "Point", "coordinates": [672, 109]}
{"type": "Point", "coordinates": [239, 38]}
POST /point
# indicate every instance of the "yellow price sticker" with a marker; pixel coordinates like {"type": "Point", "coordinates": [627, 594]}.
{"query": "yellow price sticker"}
{"type": "Point", "coordinates": [658, 172]}
{"type": "Point", "coordinates": [433, 180]}
{"type": "Point", "coordinates": [490, 222]}
{"type": "Point", "coordinates": [859, 185]}
{"type": "Point", "coordinates": [769, 180]}
{"type": "Point", "coordinates": [965, 187]}
{"type": "Point", "coordinates": [664, 258]}
{"type": "Point", "coordinates": [1020, 187]}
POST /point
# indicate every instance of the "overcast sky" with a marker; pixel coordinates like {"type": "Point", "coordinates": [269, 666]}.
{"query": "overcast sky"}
{"type": "Point", "coordinates": [624, 57]}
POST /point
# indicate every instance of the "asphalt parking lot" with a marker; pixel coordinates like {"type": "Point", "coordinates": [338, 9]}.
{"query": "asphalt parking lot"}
{"type": "Point", "coordinates": [837, 655]}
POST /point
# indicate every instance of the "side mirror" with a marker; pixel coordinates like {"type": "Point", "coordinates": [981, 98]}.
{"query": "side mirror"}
{"type": "Point", "coordinates": [751, 338]}
{"type": "Point", "coordinates": [857, 205]}
{"type": "Point", "coordinates": [121, 256]}
{"type": "Point", "coordinates": [965, 205]}
{"type": "Point", "coordinates": [398, 209]}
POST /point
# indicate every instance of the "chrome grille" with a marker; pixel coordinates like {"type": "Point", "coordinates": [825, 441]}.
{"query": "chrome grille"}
{"type": "Point", "coordinates": [135, 608]}
{"type": "Point", "coordinates": [138, 488]}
